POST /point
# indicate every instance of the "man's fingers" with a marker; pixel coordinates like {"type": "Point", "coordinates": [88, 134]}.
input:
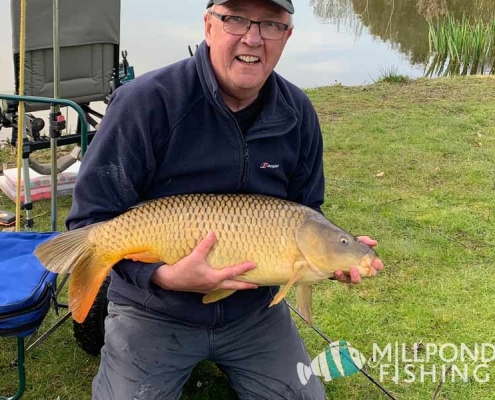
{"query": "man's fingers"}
{"type": "Point", "coordinates": [205, 245]}
{"type": "Point", "coordinates": [236, 285]}
{"type": "Point", "coordinates": [231, 272]}
{"type": "Point", "coordinates": [226, 277]}
{"type": "Point", "coordinates": [353, 277]}
{"type": "Point", "coordinates": [341, 277]}
{"type": "Point", "coordinates": [377, 264]}
{"type": "Point", "coordinates": [368, 241]}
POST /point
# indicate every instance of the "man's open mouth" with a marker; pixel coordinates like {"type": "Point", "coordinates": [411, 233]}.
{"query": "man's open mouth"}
{"type": "Point", "coordinates": [249, 60]}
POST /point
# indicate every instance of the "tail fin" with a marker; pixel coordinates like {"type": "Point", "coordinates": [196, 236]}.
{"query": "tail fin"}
{"type": "Point", "coordinates": [62, 253]}
{"type": "Point", "coordinates": [85, 283]}
{"type": "Point", "coordinates": [71, 252]}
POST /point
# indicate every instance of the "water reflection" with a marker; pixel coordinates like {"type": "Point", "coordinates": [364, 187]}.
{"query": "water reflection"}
{"type": "Point", "coordinates": [403, 23]}
{"type": "Point", "coordinates": [334, 10]}
{"type": "Point", "coordinates": [432, 8]}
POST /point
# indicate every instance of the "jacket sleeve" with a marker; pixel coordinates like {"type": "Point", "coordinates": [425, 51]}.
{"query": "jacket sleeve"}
{"type": "Point", "coordinates": [117, 169]}
{"type": "Point", "coordinates": [307, 185]}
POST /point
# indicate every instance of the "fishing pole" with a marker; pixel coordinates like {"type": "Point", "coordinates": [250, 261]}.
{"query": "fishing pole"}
{"type": "Point", "coordinates": [325, 337]}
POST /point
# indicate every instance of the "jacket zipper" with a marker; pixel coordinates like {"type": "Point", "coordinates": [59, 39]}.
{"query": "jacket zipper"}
{"type": "Point", "coordinates": [246, 164]}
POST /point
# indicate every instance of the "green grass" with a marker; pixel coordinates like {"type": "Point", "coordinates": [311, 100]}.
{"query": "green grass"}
{"type": "Point", "coordinates": [410, 165]}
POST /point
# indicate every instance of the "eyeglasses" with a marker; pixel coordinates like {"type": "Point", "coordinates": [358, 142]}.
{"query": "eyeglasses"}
{"type": "Point", "coordinates": [240, 26]}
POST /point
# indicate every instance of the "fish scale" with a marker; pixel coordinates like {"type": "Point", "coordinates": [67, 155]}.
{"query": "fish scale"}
{"type": "Point", "coordinates": [290, 244]}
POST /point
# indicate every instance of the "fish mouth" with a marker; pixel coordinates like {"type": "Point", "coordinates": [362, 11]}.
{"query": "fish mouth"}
{"type": "Point", "coordinates": [366, 266]}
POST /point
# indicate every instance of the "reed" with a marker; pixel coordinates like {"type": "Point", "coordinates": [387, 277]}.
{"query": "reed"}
{"type": "Point", "coordinates": [391, 75]}
{"type": "Point", "coordinates": [461, 46]}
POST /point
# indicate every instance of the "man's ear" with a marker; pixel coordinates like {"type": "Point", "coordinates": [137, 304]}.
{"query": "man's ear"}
{"type": "Point", "coordinates": [289, 33]}
{"type": "Point", "coordinates": [208, 26]}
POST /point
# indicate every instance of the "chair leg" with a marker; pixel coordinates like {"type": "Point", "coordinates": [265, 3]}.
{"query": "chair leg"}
{"type": "Point", "coordinates": [21, 372]}
{"type": "Point", "coordinates": [45, 336]}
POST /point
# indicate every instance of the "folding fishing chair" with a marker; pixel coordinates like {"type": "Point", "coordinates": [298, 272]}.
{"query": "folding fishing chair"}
{"type": "Point", "coordinates": [26, 290]}
{"type": "Point", "coordinates": [88, 45]}
{"type": "Point", "coordinates": [89, 36]}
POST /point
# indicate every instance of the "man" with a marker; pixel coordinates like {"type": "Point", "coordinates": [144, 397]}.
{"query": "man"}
{"type": "Point", "coordinates": [204, 125]}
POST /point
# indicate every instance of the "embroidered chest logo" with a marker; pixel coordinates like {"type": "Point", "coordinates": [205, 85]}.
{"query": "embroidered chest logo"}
{"type": "Point", "coordinates": [266, 165]}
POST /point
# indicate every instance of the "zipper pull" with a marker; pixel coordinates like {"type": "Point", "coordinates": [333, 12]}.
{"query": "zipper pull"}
{"type": "Point", "coordinates": [53, 297]}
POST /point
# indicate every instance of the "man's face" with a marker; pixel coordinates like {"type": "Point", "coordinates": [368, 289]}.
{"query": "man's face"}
{"type": "Point", "coordinates": [243, 63]}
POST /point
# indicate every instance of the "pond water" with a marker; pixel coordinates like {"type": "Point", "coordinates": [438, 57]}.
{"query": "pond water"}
{"type": "Point", "coordinates": [346, 41]}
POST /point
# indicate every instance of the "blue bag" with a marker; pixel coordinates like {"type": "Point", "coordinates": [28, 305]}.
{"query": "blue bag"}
{"type": "Point", "coordinates": [26, 287]}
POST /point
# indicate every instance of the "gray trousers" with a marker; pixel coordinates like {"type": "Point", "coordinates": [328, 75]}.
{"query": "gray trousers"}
{"type": "Point", "coordinates": [146, 357]}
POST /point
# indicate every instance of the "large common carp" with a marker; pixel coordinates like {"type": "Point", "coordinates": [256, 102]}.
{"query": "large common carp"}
{"type": "Point", "coordinates": [291, 244]}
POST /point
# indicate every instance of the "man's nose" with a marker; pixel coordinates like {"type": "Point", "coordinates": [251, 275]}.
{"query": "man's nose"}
{"type": "Point", "coordinates": [253, 35]}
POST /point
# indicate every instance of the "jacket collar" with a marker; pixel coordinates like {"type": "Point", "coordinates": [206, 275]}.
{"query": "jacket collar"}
{"type": "Point", "coordinates": [277, 116]}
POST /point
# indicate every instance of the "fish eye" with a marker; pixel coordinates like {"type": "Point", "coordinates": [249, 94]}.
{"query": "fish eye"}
{"type": "Point", "coordinates": [344, 240]}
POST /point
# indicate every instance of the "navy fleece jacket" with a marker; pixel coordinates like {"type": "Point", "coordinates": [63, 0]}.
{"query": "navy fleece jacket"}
{"type": "Point", "coordinates": [169, 132]}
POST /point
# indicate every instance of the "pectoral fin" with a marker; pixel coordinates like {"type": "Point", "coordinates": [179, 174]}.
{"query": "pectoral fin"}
{"type": "Point", "coordinates": [304, 300]}
{"type": "Point", "coordinates": [300, 268]}
{"type": "Point", "coordinates": [144, 256]}
{"type": "Point", "coordinates": [217, 295]}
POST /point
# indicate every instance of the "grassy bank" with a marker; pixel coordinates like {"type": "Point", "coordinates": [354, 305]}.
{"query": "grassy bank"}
{"type": "Point", "coordinates": [411, 165]}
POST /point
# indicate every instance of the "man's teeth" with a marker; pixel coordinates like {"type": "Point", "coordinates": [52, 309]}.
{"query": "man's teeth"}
{"type": "Point", "coordinates": [248, 59]}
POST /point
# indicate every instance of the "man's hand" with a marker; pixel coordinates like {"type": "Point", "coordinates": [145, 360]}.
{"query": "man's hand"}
{"type": "Point", "coordinates": [354, 276]}
{"type": "Point", "coordinates": [194, 274]}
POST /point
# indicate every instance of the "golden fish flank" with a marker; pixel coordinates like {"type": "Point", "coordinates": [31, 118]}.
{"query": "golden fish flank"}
{"type": "Point", "coordinates": [291, 244]}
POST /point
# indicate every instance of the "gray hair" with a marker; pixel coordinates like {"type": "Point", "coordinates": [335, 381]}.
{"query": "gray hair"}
{"type": "Point", "coordinates": [291, 17]}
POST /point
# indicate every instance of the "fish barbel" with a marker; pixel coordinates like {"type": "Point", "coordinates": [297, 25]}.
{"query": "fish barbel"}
{"type": "Point", "coordinates": [291, 244]}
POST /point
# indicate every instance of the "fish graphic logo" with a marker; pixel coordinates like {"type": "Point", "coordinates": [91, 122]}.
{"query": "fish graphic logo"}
{"type": "Point", "coordinates": [339, 359]}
